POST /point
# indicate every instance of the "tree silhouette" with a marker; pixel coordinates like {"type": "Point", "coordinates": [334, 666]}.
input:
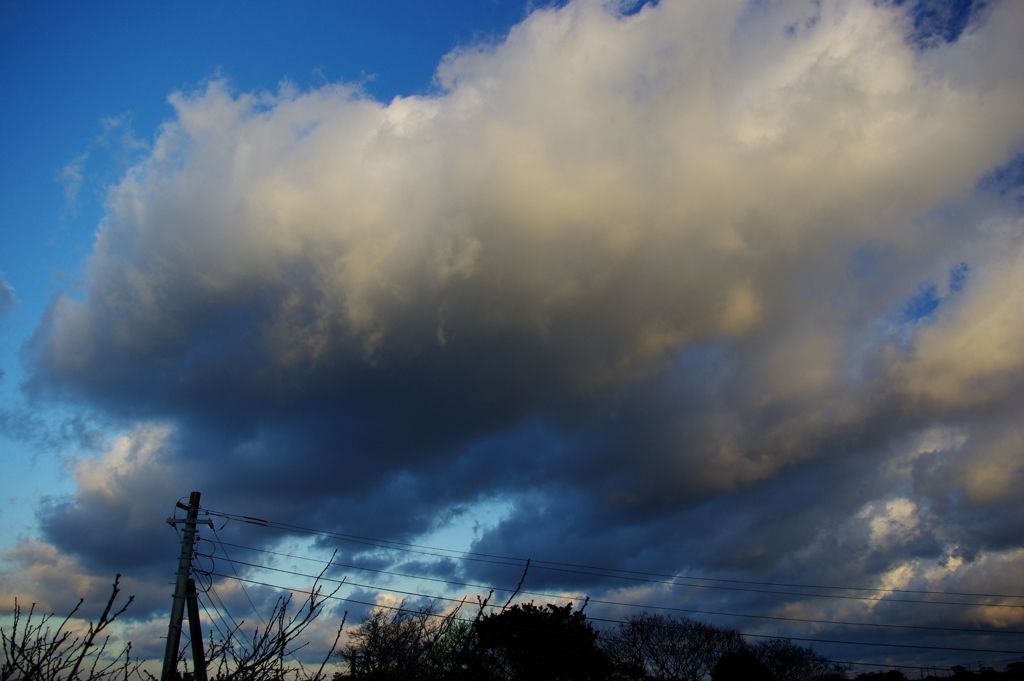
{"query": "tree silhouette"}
{"type": "Point", "coordinates": [551, 643]}
{"type": "Point", "coordinates": [787, 661]}
{"type": "Point", "coordinates": [407, 645]}
{"type": "Point", "coordinates": [651, 646]}
{"type": "Point", "coordinates": [740, 665]}
{"type": "Point", "coordinates": [42, 647]}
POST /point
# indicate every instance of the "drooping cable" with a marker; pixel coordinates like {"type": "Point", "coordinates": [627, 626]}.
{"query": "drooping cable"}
{"type": "Point", "coordinates": [632, 575]}
{"type": "Point", "coordinates": [599, 601]}
{"type": "Point", "coordinates": [880, 644]}
{"type": "Point", "coordinates": [244, 590]}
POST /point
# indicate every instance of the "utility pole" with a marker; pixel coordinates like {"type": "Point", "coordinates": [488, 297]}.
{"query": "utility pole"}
{"type": "Point", "coordinates": [188, 538]}
{"type": "Point", "coordinates": [195, 632]}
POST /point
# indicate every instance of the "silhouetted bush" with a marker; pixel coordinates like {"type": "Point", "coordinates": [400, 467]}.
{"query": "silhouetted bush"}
{"type": "Point", "coordinates": [740, 665]}
{"type": "Point", "coordinates": [550, 643]}
{"type": "Point", "coordinates": [657, 647]}
{"type": "Point", "coordinates": [42, 647]}
{"type": "Point", "coordinates": [402, 644]}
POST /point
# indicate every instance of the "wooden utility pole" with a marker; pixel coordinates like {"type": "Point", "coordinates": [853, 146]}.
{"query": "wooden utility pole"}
{"type": "Point", "coordinates": [188, 539]}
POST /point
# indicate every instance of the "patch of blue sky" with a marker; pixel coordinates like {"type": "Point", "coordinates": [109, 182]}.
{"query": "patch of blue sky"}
{"type": "Point", "coordinates": [958, 277]}
{"type": "Point", "coordinates": [1006, 180]}
{"type": "Point", "coordinates": [460, 526]}
{"type": "Point", "coordinates": [6, 295]}
{"type": "Point", "coordinates": [905, 316]}
{"type": "Point", "coordinates": [922, 304]}
{"type": "Point", "coordinates": [453, 535]}
{"type": "Point", "coordinates": [38, 449]}
{"type": "Point", "coordinates": [631, 7]}
{"type": "Point", "coordinates": [935, 22]}
{"type": "Point", "coordinates": [465, 525]}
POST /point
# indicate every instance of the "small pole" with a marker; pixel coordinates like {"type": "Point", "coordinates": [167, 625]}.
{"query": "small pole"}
{"type": "Point", "coordinates": [195, 631]}
{"type": "Point", "coordinates": [188, 538]}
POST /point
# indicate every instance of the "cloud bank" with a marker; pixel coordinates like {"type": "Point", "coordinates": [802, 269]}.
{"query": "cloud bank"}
{"type": "Point", "coordinates": [716, 287]}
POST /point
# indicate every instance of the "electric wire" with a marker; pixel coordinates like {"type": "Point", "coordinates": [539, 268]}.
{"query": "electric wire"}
{"type": "Point", "coordinates": [420, 612]}
{"type": "Point", "coordinates": [516, 560]}
{"type": "Point", "coordinates": [247, 597]}
{"type": "Point", "coordinates": [226, 638]}
{"type": "Point", "coordinates": [236, 625]}
{"type": "Point", "coordinates": [620, 621]}
{"type": "Point", "coordinates": [599, 601]}
{"type": "Point", "coordinates": [347, 582]}
{"type": "Point", "coordinates": [675, 581]}
{"type": "Point", "coordinates": [213, 621]}
{"type": "Point", "coordinates": [891, 666]}
{"type": "Point", "coordinates": [210, 591]}
{"type": "Point", "coordinates": [629, 575]}
{"type": "Point", "coordinates": [616, 639]}
{"type": "Point", "coordinates": [244, 590]}
{"type": "Point", "coordinates": [203, 595]}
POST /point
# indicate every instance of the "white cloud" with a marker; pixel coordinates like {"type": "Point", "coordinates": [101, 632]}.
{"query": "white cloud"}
{"type": "Point", "coordinates": [619, 188]}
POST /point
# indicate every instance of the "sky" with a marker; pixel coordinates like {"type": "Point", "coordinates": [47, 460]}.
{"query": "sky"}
{"type": "Point", "coordinates": [723, 289]}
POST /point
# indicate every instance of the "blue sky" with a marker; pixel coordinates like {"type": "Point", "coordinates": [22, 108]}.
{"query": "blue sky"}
{"type": "Point", "coordinates": [723, 288]}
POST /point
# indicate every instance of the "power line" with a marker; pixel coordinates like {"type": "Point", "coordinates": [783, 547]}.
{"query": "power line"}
{"type": "Point", "coordinates": [628, 575]}
{"type": "Point", "coordinates": [423, 612]}
{"type": "Point", "coordinates": [671, 646]}
{"type": "Point", "coordinates": [676, 583]}
{"type": "Point", "coordinates": [891, 666]}
{"type": "Point", "coordinates": [637, 576]}
{"type": "Point", "coordinates": [335, 597]}
{"type": "Point", "coordinates": [224, 636]}
{"type": "Point", "coordinates": [599, 601]}
{"type": "Point", "coordinates": [236, 625]}
{"type": "Point", "coordinates": [343, 581]}
{"type": "Point", "coordinates": [519, 559]}
{"type": "Point", "coordinates": [618, 621]}
{"type": "Point", "coordinates": [244, 590]}
{"type": "Point", "coordinates": [917, 646]}
{"type": "Point", "coordinates": [209, 616]}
